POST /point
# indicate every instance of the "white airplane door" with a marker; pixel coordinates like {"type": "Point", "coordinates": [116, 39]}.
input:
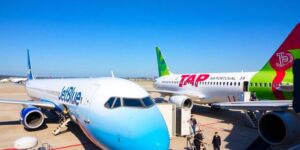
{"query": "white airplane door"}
{"type": "Point", "coordinates": [86, 104]}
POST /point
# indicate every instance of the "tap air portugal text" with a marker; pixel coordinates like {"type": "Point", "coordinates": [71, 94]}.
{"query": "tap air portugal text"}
{"type": "Point", "coordinates": [113, 113]}
{"type": "Point", "coordinates": [274, 81]}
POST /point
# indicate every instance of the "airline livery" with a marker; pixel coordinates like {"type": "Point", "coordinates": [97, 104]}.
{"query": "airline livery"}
{"type": "Point", "coordinates": [273, 82]}
{"type": "Point", "coordinates": [114, 113]}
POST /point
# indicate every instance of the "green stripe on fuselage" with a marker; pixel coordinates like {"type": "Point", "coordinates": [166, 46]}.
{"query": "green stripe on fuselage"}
{"type": "Point", "coordinates": [265, 76]}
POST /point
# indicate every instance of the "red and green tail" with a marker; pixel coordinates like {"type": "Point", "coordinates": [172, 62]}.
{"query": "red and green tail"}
{"type": "Point", "coordinates": [278, 70]}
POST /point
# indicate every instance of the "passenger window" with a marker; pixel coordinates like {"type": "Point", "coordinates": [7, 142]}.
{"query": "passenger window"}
{"type": "Point", "coordinates": [239, 83]}
{"type": "Point", "coordinates": [130, 102]}
{"type": "Point", "coordinates": [265, 84]}
{"type": "Point", "coordinates": [270, 84]}
{"type": "Point", "coordinates": [110, 102]}
{"type": "Point", "coordinates": [234, 83]}
{"type": "Point", "coordinates": [148, 101]}
{"type": "Point", "coordinates": [117, 103]}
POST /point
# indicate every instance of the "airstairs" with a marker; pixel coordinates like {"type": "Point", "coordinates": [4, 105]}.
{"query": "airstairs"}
{"type": "Point", "coordinates": [252, 117]}
{"type": "Point", "coordinates": [62, 123]}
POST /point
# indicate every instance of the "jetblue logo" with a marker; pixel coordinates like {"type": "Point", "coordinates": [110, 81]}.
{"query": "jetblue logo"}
{"type": "Point", "coordinates": [70, 95]}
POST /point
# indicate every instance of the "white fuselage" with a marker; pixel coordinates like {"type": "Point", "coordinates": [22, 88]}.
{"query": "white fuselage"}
{"type": "Point", "coordinates": [207, 87]}
{"type": "Point", "coordinates": [109, 128]}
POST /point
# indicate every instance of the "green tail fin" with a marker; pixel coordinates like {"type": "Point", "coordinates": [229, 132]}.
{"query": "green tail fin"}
{"type": "Point", "coordinates": [163, 69]}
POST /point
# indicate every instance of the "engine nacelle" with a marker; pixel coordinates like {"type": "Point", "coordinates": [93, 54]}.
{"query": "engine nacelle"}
{"type": "Point", "coordinates": [181, 101]}
{"type": "Point", "coordinates": [32, 117]}
{"type": "Point", "coordinates": [279, 127]}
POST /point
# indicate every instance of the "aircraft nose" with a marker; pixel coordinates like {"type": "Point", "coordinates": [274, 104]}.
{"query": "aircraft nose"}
{"type": "Point", "coordinates": [150, 132]}
{"type": "Point", "coordinates": [158, 140]}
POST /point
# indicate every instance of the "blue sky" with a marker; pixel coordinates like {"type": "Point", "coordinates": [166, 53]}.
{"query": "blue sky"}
{"type": "Point", "coordinates": [90, 38]}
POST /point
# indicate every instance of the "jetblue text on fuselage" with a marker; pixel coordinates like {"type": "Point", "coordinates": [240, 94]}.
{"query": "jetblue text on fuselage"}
{"type": "Point", "coordinates": [70, 95]}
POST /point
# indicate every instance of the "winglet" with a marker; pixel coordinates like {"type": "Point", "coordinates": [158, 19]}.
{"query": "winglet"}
{"type": "Point", "coordinates": [29, 75]}
{"type": "Point", "coordinates": [163, 68]}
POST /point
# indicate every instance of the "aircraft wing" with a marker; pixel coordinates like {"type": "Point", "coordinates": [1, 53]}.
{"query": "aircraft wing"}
{"type": "Point", "coordinates": [170, 93]}
{"type": "Point", "coordinates": [42, 104]}
{"type": "Point", "coordinates": [278, 105]}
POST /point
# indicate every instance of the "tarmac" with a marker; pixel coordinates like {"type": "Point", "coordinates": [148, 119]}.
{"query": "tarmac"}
{"type": "Point", "coordinates": [232, 126]}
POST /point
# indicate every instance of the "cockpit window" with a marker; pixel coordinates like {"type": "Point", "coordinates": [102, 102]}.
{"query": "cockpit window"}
{"type": "Point", "coordinates": [131, 102]}
{"type": "Point", "coordinates": [110, 102]}
{"type": "Point", "coordinates": [117, 103]}
{"type": "Point", "coordinates": [148, 101]}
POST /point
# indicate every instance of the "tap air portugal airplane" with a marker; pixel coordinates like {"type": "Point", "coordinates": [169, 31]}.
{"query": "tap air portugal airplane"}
{"type": "Point", "coordinates": [113, 113]}
{"type": "Point", "coordinates": [274, 81]}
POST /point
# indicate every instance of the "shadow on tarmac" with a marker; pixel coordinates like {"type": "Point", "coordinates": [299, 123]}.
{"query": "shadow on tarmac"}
{"type": "Point", "coordinates": [240, 132]}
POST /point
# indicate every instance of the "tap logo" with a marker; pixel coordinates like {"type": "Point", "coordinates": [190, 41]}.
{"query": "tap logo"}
{"type": "Point", "coordinates": [284, 59]}
{"type": "Point", "coordinates": [192, 79]}
{"type": "Point", "coordinates": [70, 95]}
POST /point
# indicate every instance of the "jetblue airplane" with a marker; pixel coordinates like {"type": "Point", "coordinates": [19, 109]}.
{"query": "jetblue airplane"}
{"type": "Point", "coordinates": [113, 113]}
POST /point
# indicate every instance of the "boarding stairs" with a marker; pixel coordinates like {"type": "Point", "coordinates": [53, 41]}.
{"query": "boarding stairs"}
{"type": "Point", "coordinates": [62, 123]}
{"type": "Point", "coordinates": [252, 116]}
{"type": "Point", "coordinates": [190, 143]}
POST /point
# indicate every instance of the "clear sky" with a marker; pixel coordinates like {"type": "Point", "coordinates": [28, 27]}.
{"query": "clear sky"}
{"type": "Point", "coordinates": [90, 38]}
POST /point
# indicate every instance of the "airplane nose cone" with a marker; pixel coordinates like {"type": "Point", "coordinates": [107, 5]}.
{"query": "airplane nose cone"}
{"type": "Point", "coordinates": [150, 132]}
{"type": "Point", "coordinates": [133, 128]}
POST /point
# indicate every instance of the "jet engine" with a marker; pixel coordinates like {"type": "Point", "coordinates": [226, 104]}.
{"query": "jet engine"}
{"type": "Point", "coordinates": [32, 118]}
{"type": "Point", "coordinates": [181, 101]}
{"type": "Point", "coordinates": [279, 127]}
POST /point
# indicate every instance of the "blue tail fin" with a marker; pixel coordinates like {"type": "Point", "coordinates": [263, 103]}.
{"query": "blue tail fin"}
{"type": "Point", "coordinates": [29, 75]}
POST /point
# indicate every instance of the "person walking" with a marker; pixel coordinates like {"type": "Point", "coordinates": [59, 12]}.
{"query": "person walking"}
{"type": "Point", "coordinates": [216, 141]}
{"type": "Point", "coordinates": [193, 123]}
{"type": "Point", "coordinates": [198, 140]}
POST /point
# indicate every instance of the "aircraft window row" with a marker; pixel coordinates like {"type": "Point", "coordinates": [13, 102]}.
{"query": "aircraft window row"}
{"type": "Point", "coordinates": [221, 83]}
{"type": "Point", "coordinates": [208, 83]}
{"type": "Point", "coordinates": [255, 84]}
{"type": "Point", "coordinates": [115, 102]}
{"type": "Point", "coordinates": [171, 82]}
